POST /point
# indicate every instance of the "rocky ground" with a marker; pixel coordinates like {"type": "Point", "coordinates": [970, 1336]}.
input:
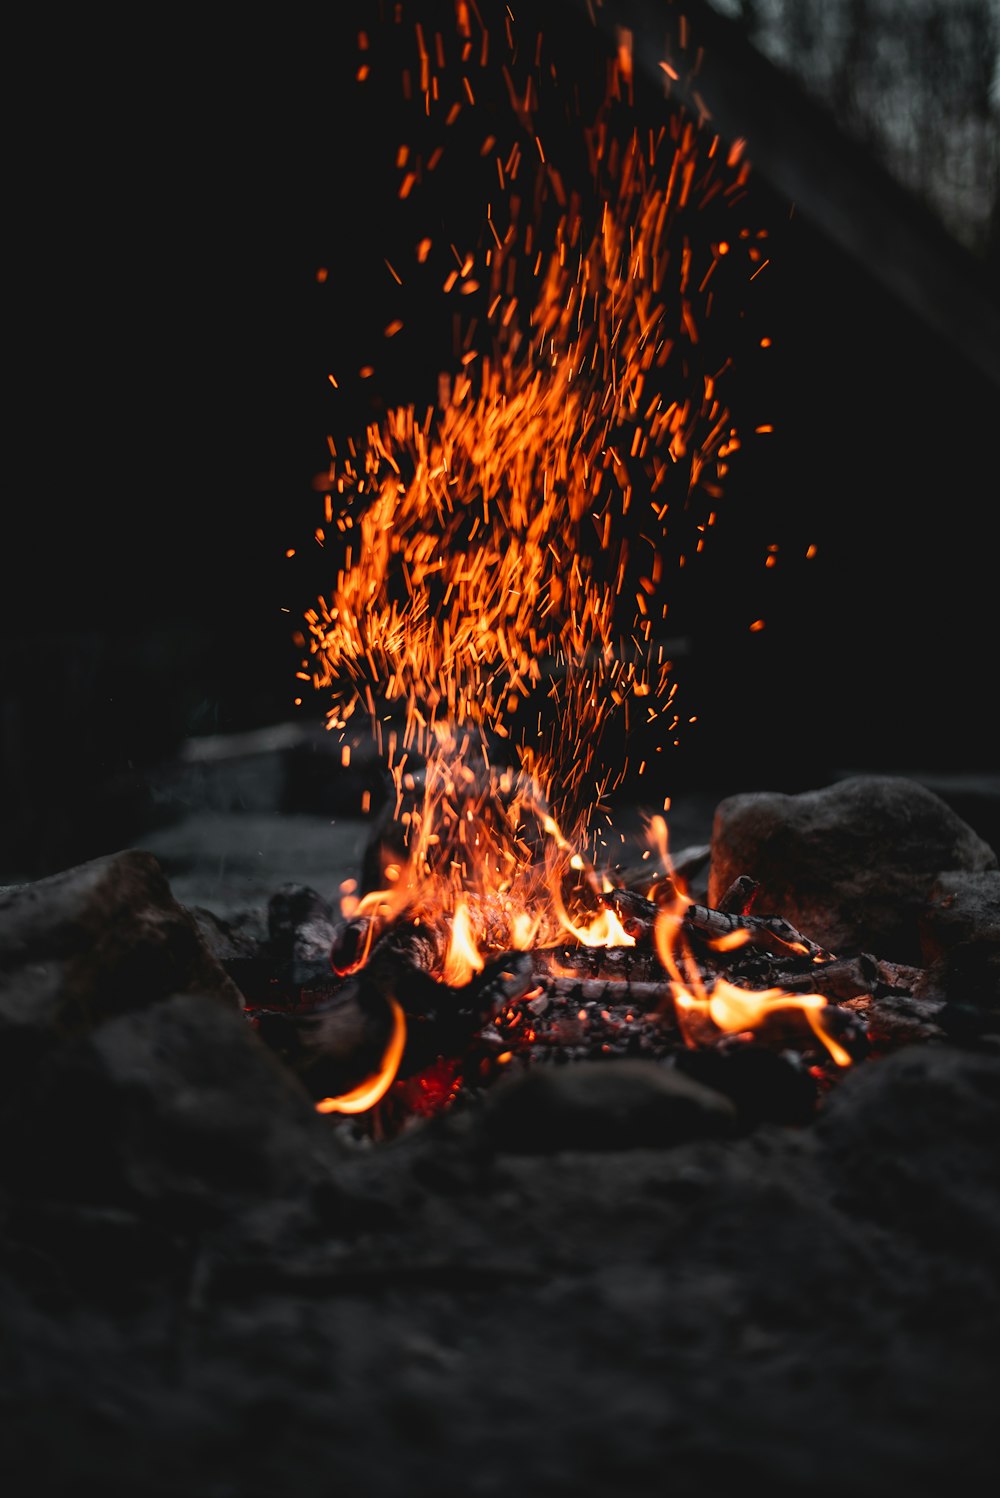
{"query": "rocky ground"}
{"type": "Point", "coordinates": [600, 1277]}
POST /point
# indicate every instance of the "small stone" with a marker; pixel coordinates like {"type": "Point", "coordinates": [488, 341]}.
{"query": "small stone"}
{"type": "Point", "coordinates": [960, 937]}
{"type": "Point", "coordinates": [603, 1105]}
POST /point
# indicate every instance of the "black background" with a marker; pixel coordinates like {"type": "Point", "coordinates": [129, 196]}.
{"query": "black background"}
{"type": "Point", "coordinates": [172, 405]}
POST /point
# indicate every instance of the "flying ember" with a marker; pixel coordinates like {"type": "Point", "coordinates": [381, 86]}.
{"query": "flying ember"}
{"type": "Point", "coordinates": [506, 555]}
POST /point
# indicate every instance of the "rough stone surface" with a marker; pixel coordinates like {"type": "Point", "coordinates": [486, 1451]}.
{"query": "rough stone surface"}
{"type": "Point", "coordinates": [96, 940]}
{"type": "Point", "coordinates": [851, 865]}
{"type": "Point", "coordinates": [175, 1102]}
{"type": "Point", "coordinates": [960, 938]}
{"type": "Point", "coordinates": [209, 1290]}
{"type": "Point", "coordinates": [601, 1105]}
{"type": "Point", "coordinates": [720, 1310]}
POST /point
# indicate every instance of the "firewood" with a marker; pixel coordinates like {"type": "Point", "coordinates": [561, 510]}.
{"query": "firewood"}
{"type": "Point", "coordinates": [643, 995]}
{"type": "Point", "coordinates": [636, 914]}
{"type": "Point", "coordinates": [351, 942]}
{"type": "Point", "coordinates": [772, 932]}
{"type": "Point", "coordinates": [843, 978]}
{"type": "Point", "coordinates": [740, 895]}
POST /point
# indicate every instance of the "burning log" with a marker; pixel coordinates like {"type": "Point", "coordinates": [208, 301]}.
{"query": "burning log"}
{"type": "Point", "coordinates": [777, 1020]}
{"type": "Point", "coordinates": [771, 932]}
{"type": "Point", "coordinates": [443, 1020]}
{"type": "Point", "coordinates": [337, 1048]}
{"type": "Point", "coordinates": [841, 979]}
{"type": "Point", "coordinates": [636, 913]}
{"type": "Point", "coordinates": [638, 916]}
{"type": "Point", "coordinates": [391, 1018]}
{"type": "Point", "coordinates": [351, 943]}
{"type": "Point", "coordinates": [611, 964]}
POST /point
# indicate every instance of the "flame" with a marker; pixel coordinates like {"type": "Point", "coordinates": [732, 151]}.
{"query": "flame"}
{"type": "Point", "coordinates": [503, 559]}
{"type": "Point", "coordinates": [605, 930]}
{"type": "Point", "coordinates": [730, 1007]}
{"type": "Point", "coordinates": [509, 549]}
{"type": "Point", "coordinates": [368, 1093]}
{"type": "Point", "coordinates": [463, 959]}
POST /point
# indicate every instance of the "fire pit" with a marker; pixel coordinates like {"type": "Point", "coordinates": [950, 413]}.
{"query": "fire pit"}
{"type": "Point", "coordinates": [528, 1149]}
{"type": "Point", "coordinates": [641, 1242]}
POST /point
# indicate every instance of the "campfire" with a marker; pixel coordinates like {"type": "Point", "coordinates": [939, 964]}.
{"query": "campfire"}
{"type": "Point", "coordinates": [454, 1109]}
{"type": "Point", "coordinates": [505, 565]}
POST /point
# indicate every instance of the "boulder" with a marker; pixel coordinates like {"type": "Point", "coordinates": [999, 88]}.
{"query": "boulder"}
{"type": "Point", "coordinates": [94, 941]}
{"type": "Point", "coordinates": [852, 866]}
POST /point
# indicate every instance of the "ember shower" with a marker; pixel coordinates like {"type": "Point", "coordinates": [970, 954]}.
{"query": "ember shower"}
{"type": "Point", "coordinates": [508, 554]}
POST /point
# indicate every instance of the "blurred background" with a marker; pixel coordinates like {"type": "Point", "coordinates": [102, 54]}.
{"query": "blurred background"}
{"type": "Point", "coordinates": [201, 232]}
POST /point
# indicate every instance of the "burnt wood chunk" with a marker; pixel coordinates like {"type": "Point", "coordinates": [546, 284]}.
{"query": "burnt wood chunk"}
{"type": "Point", "coordinates": [300, 923]}
{"type": "Point", "coordinates": [772, 932]}
{"type": "Point", "coordinates": [740, 895]}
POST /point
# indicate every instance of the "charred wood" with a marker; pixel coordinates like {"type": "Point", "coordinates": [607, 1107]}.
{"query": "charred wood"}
{"type": "Point", "coordinates": [341, 1042]}
{"type": "Point", "coordinates": [843, 978]}
{"type": "Point", "coordinates": [351, 943]}
{"type": "Point", "coordinates": [740, 895]}
{"type": "Point", "coordinates": [624, 964]}
{"type": "Point", "coordinates": [642, 995]}
{"type": "Point", "coordinates": [300, 924]}
{"type": "Point", "coordinates": [636, 914]}
{"type": "Point", "coordinates": [771, 932]}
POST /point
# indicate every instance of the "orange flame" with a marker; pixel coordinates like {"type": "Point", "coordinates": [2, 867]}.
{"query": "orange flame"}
{"type": "Point", "coordinates": [368, 1093]}
{"type": "Point", "coordinates": [510, 548]}
{"type": "Point", "coordinates": [505, 556]}
{"type": "Point", "coordinates": [605, 930]}
{"type": "Point", "coordinates": [463, 959]}
{"type": "Point", "coordinates": [730, 1007]}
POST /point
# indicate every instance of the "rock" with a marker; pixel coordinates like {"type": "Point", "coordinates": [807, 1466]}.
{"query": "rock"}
{"type": "Point", "coordinates": [603, 1105]}
{"type": "Point", "coordinates": [230, 941]}
{"type": "Point", "coordinates": [178, 1102]}
{"type": "Point", "coordinates": [301, 924]}
{"type": "Point", "coordinates": [852, 865]}
{"type": "Point", "coordinates": [914, 1139]}
{"type": "Point", "coordinates": [764, 1086]}
{"type": "Point", "coordinates": [94, 941]}
{"type": "Point", "coordinates": [960, 938]}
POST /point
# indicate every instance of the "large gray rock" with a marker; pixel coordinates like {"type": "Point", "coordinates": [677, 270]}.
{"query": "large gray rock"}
{"type": "Point", "coordinates": [914, 1140]}
{"type": "Point", "coordinates": [852, 866]}
{"type": "Point", "coordinates": [91, 942]}
{"type": "Point", "coordinates": [960, 936]}
{"type": "Point", "coordinates": [177, 1102]}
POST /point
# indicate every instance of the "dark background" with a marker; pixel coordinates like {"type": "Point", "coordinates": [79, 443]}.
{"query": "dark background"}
{"type": "Point", "coordinates": [172, 406]}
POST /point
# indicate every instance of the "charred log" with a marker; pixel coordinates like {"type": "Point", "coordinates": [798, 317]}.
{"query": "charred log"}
{"type": "Point", "coordinates": [843, 978]}
{"type": "Point", "coordinates": [341, 1042]}
{"type": "Point", "coordinates": [771, 932]}
{"type": "Point", "coordinates": [740, 895]}
{"type": "Point", "coordinates": [300, 924]}
{"type": "Point", "coordinates": [645, 996]}
{"type": "Point", "coordinates": [636, 913]}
